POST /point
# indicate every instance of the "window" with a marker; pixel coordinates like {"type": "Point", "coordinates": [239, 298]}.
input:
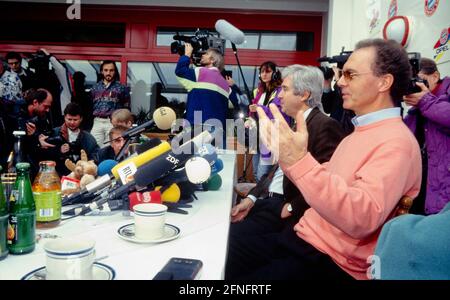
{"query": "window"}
{"type": "Point", "coordinates": [280, 41]}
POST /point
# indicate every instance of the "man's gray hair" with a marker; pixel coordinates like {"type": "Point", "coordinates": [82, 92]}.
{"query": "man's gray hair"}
{"type": "Point", "coordinates": [306, 79]}
{"type": "Point", "coordinates": [218, 59]}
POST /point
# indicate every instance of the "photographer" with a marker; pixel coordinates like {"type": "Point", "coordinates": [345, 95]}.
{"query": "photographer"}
{"type": "Point", "coordinates": [33, 119]}
{"type": "Point", "coordinates": [429, 120]}
{"type": "Point", "coordinates": [69, 139]}
{"type": "Point", "coordinates": [208, 91]}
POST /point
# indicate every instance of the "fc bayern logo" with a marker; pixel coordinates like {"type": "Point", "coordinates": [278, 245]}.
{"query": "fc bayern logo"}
{"type": "Point", "coordinates": [393, 9]}
{"type": "Point", "coordinates": [431, 7]}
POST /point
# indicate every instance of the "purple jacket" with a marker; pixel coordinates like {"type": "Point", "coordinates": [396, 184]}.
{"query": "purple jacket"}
{"type": "Point", "coordinates": [436, 110]}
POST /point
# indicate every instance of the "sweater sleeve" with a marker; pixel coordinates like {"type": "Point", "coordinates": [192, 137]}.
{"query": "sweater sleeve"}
{"type": "Point", "coordinates": [436, 108]}
{"type": "Point", "coordinates": [61, 74]}
{"type": "Point", "coordinates": [182, 69]}
{"type": "Point", "coordinates": [358, 208]}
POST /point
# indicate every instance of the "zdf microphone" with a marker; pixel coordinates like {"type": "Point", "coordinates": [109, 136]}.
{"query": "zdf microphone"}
{"type": "Point", "coordinates": [229, 32]}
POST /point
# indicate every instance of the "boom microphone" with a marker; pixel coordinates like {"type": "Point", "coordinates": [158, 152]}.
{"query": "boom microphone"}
{"type": "Point", "coordinates": [230, 32]}
{"type": "Point", "coordinates": [162, 117]}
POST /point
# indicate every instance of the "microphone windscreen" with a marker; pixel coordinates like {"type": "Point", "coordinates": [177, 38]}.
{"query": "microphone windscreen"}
{"type": "Point", "coordinates": [144, 197]}
{"type": "Point", "coordinates": [208, 152]}
{"type": "Point", "coordinates": [164, 117]}
{"type": "Point", "coordinates": [230, 32]}
{"type": "Point", "coordinates": [147, 145]}
{"type": "Point", "coordinates": [197, 169]}
{"type": "Point", "coordinates": [105, 167]}
{"type": "Point", "coordinates": [217, 166]}
{"type": "Point", "coordinates": [137, 161]}
{"type": "Point", "coordinates": [171, 194]}
{"type": "Point", "coordinates": [213, 184]}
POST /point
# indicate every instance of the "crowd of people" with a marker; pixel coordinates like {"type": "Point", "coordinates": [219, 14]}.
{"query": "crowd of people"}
{"type": "Point", "coordinates": [328, 187]}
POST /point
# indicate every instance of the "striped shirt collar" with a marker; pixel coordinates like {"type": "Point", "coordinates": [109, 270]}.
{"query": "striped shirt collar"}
{"type": "Point", "coordinates": [376, 116]}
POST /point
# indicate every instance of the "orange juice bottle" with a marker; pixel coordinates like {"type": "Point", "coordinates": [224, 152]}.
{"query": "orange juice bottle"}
{"type": "Point", "coordinates": [47, 195]}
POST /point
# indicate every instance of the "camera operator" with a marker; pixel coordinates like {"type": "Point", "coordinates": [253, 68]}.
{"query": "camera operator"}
{"type": "Point", "coordinates": [429, 120]}
{"type": "Point", "coordinates": [69, 139]}
{"type": "Point", "coordinates": [208, 91]}
{"type": "Point", "coordinates": [33, 119]}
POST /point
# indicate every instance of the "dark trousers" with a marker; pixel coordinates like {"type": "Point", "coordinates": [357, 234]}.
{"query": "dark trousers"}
{"type": "Point", "coordinates": [264, 246]}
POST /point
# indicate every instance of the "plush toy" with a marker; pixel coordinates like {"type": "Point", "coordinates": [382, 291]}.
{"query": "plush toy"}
{"type": "Point", "coordinates": [83, 171]}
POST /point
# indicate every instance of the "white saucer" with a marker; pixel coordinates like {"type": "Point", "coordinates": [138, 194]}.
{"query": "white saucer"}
{"type": "Point", "coordinates": [126, 232]}
{"type": "Point", "coordinates": [101, 272]}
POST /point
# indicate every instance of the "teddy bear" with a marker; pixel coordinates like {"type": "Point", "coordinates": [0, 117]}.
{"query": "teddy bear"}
{"type": "Point", "coordinates": [83, 170]}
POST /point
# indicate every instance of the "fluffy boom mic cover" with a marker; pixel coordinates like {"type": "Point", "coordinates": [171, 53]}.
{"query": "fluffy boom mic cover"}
{"type": "Point", "coordinates": [230, 32]}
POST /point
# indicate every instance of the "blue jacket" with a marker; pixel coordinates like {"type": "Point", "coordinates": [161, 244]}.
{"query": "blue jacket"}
{"type": "Point", "coordinates": [415, 247]}
{"type": "Point", "coordinates": [208, 92]}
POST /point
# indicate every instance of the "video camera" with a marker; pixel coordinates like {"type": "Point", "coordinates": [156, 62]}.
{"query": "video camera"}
{"type": "Point", "coordinates": [340, 59]}
{"type": "Point", "coordinates": [414, 60]}
{"type": "Point", "coordinates": [201, 41]}
{"type": "Point", "coordinates": [39, 61]}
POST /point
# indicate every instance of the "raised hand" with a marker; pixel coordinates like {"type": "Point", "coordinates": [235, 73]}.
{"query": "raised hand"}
{"type": "Point", "coordinates": [287, 145]}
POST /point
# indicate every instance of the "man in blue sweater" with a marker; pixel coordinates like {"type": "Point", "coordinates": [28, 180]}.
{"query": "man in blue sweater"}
{"type": "Point", "coordinates": [208, 91]}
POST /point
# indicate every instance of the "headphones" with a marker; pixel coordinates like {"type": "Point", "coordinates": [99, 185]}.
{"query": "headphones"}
{"type": "Point", "coordinates": [276, 74]}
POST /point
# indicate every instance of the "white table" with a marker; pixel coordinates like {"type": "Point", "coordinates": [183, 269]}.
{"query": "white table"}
{"type": "Point", "coordinates": [204, 236]}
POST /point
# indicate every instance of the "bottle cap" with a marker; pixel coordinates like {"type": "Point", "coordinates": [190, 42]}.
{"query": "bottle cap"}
{"type": "Point", "coordinates": [23, 166]}
{"type": "Point", "coordinates": [17, 133]}
{"type": "Point", "coordinates": [48, 163]}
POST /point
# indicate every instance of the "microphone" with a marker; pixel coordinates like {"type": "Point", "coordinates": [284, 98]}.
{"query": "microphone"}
{"type": "Point", "coordinates": [229, 32]}
{"type": "Point", "coordinates": [166, 162]}
{"type": "Point", "coordinates": [144, 197]}
{"type": "Point", "coordinates": [213, 184]}
{"type": "Point", "coordinates": [197, 169]}
{"type": "Point", "coordinates": [99, 201]}
{"type": "Point", "coordinates": [162, 117]}
{"type": "Point", "coordinates": [105, 167]}
{"type": "Point", "coordinates": [217, 166]}
{"type": "Point", "coordinates": [122, 170]}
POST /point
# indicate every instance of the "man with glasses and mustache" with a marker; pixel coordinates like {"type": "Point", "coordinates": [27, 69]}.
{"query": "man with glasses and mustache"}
{"type": "Point", "coordinates": [107, 96]}
{"type": "Point", "coordinates": [358, 190]}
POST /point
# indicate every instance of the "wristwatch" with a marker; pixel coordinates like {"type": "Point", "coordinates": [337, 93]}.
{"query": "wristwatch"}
{"type": "Point", "coordinates": [289, 208]}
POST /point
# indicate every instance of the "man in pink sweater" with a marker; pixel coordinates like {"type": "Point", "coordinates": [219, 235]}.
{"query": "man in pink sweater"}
{"type": "Point", "coordinates": [357, 191]}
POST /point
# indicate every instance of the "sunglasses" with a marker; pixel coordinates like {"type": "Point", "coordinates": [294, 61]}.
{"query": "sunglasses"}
{"type": "Point", "coordinates": [348, 75]}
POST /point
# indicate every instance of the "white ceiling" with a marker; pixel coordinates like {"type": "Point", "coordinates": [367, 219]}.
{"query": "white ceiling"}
{"type": "Point", "coordinates": [272, 5]}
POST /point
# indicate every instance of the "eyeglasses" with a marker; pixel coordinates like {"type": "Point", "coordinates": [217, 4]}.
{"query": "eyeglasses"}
{"type": "Point", "coordinates": [348, 75]}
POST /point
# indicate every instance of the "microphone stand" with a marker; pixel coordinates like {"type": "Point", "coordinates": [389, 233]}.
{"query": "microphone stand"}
{"type": "Point", "coordinates": [247, 91]}
{"type": "Point", "coordinates": [121, 155]}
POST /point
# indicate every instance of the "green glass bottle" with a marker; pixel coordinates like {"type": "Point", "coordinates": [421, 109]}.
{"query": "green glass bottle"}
{"type": "Point", "coordinates": [22, 213]}
{"type": "Point", "coordinates": [4, 217]}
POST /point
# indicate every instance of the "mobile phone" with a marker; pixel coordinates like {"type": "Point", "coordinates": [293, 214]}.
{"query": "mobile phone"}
{"type": "Point", "coordinates": [178, 268]}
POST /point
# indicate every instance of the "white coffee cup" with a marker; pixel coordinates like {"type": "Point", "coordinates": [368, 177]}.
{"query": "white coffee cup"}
{"type": "Point", "coordinates": [149, 220]}
{"type": "Point", "coordinates": [69, 259]}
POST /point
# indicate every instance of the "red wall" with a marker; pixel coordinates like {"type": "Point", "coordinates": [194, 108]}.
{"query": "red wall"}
{"type": "Point", "coordinates": [141, 25]}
